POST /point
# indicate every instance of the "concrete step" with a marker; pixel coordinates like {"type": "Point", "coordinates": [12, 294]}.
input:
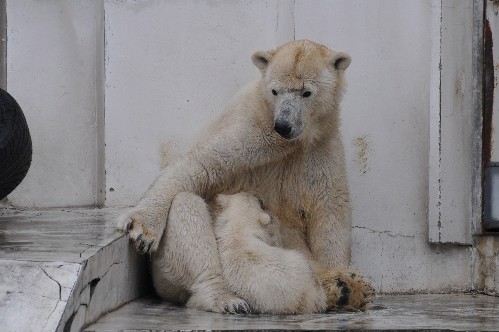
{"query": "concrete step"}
{"type": "Point", "coordinates": [449, 312]}
{"type": "Point", "coordinates": [62, 269]}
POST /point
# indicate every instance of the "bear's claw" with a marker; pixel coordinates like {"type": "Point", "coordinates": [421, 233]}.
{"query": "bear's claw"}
{"type": "Point", "coordinates": [242, 308]}
{"type": "Point", "coordinates": [238, 307]}
{"type": "Point", "coordinates": [129, 226]}
{"type": "Point", "coordinates": [133, 226]}
{"type": "Point", "coordinates": [344, 293]}
{"type": "Point", "coordinates": [222, 303]}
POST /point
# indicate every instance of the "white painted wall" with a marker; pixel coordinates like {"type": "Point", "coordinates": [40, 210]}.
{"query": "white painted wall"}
{"type": "Point", "coordinates": [52, 69]}
{"type": "Point", "coordinates": [170, 66]}
{"type": "Point", "coordinates": [386, 128]}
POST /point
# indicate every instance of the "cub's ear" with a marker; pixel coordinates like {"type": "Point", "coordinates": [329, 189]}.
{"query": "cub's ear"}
{"type": "Point", "coordinates": [264, 219]}
{"type": "Point", "coordinates": [222, 200]}
{"type": "Point", "coordinates": [261, 59]}
{"type": "Point", "coordinates": [341, 61]}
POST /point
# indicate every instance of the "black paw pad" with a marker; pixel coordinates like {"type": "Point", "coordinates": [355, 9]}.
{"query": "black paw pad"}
{"type": "Point", "coordinates": [344, 295]}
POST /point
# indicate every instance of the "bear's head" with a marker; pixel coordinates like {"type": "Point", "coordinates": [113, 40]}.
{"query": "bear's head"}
{"type": "Point", "coordinates": [303, 83]}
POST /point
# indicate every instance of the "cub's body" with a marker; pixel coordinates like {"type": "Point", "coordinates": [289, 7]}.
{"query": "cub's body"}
{"type": "Point", "coordinates": [271, 279]}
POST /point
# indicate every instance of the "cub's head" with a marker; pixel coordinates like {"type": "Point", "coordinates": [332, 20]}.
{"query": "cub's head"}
{"type": "Point", "coordinates": [243, 214]}
{"type": "Point", "coordinates": [241, 208]}
{"type": "Point", "coordinates": [303, 84]}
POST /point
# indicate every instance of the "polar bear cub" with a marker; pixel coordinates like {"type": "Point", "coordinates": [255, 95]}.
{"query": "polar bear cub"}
{"type": "Point", "coordinates": [271, 279]}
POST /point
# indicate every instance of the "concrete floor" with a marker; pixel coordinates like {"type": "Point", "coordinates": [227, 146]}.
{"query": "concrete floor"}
{"type": "Point", "coordinates": [61, 270]}
{"type": "Point", "coordinates": [440, 312]}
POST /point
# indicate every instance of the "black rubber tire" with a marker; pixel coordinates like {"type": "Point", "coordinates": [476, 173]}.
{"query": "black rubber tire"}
{"type": "Point", "coordinates": [15, 144]}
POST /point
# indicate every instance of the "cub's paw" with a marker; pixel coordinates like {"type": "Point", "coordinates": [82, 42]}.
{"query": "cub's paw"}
{"type": "Point", "coordinates": [346, 290]}
{"type": "Point", "coordinates": [143, 228]}
{"type": "Point", "coordinates": [223, 303]}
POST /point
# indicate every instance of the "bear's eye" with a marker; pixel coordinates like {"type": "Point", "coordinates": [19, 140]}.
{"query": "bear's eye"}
{"type": "Point", "coordinates": [306, 94]}
{"type": "Point", "coordinates": [274, 92]}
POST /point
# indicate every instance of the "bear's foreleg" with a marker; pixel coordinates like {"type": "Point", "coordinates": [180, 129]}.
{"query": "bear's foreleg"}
{"type": "Point", "coordinates": [330, 232]}
{"type": "Point", "coordinates": [211, 164]}
{"type": "Point", "coordinates": [186, 266]}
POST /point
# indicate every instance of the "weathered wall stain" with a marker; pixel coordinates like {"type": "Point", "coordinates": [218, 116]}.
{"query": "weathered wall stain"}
{"type": "Point", "coordinates": [363, 153]}
{"type": "Point", "coordinates": [486, 275]}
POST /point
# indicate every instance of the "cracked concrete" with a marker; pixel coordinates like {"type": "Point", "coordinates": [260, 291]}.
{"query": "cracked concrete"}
{"type": "Point", "coordinates": [389, 233]}
{"type": "Point", "coordinates": [406, 263]}
{"type": "Point", "coordinates": [62, 269]}
{"type": "Point", "coordinates": [32, 296]}
{"type": "Point", "coordinates": [58, 284]}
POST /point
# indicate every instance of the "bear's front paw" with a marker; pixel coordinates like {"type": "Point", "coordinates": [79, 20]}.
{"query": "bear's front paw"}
{"type": "Point", "coordinates": [346, 290]}
{"type": "Point", "coordinates": [143, 228]}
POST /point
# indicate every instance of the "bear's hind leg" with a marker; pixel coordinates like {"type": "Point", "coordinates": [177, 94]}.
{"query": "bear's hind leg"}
{"type": "Point", "coordinates": [187, 261]}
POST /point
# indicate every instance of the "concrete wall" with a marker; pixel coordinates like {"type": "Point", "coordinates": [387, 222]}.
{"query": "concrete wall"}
{"type": "Point", "coordinates": [170, 66]}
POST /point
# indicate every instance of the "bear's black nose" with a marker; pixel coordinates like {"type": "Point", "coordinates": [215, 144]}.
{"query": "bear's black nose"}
{"type": "Point", "coordinates": [282, 128]}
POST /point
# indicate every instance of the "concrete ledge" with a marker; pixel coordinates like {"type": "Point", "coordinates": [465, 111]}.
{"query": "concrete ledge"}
{"type": "Point", "coordinates": [62, 269]}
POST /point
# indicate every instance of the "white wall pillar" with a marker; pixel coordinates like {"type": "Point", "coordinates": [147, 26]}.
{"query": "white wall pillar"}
{"type": "Point", "coordinates": [52, 69]}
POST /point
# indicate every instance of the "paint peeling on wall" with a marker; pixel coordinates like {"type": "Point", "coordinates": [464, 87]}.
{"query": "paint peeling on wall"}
{"type": "Point", "coordinates": [487, 273]}
{"type": "Point", "coordinates": [363, 153]}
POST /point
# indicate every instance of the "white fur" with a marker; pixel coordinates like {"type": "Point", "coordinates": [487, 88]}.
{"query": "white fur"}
{"type": "Point", "coordinates": [301, 180]}
{"type": "Point", "coordinates": [271, 279]}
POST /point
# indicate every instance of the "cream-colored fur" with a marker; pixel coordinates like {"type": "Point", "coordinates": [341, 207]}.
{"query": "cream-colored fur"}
{"type": "Point", "coordinates": [271, 279]}
{"type": "Point", "coordinates": [280, 138]}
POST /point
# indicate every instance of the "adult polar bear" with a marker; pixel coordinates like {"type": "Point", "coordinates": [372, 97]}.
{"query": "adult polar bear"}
{"type": "Point", "coordinates": [278, 138]}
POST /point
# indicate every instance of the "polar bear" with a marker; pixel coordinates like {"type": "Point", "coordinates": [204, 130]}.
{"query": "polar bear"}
{"type": "Point", "coordinates": [271, 279]}
{"type": "Point", "coordinates": [278, 137]}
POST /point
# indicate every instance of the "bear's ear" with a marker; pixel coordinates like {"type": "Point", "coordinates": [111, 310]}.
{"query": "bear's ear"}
{"type": "Point", "coordinates": [261, 59]}
{"type": "Point", "coordinates": [341, 61]}
{"type": "Point", "coordinates": [264, 219]}
{"type": "Point", "coordinates": [222, 200]}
